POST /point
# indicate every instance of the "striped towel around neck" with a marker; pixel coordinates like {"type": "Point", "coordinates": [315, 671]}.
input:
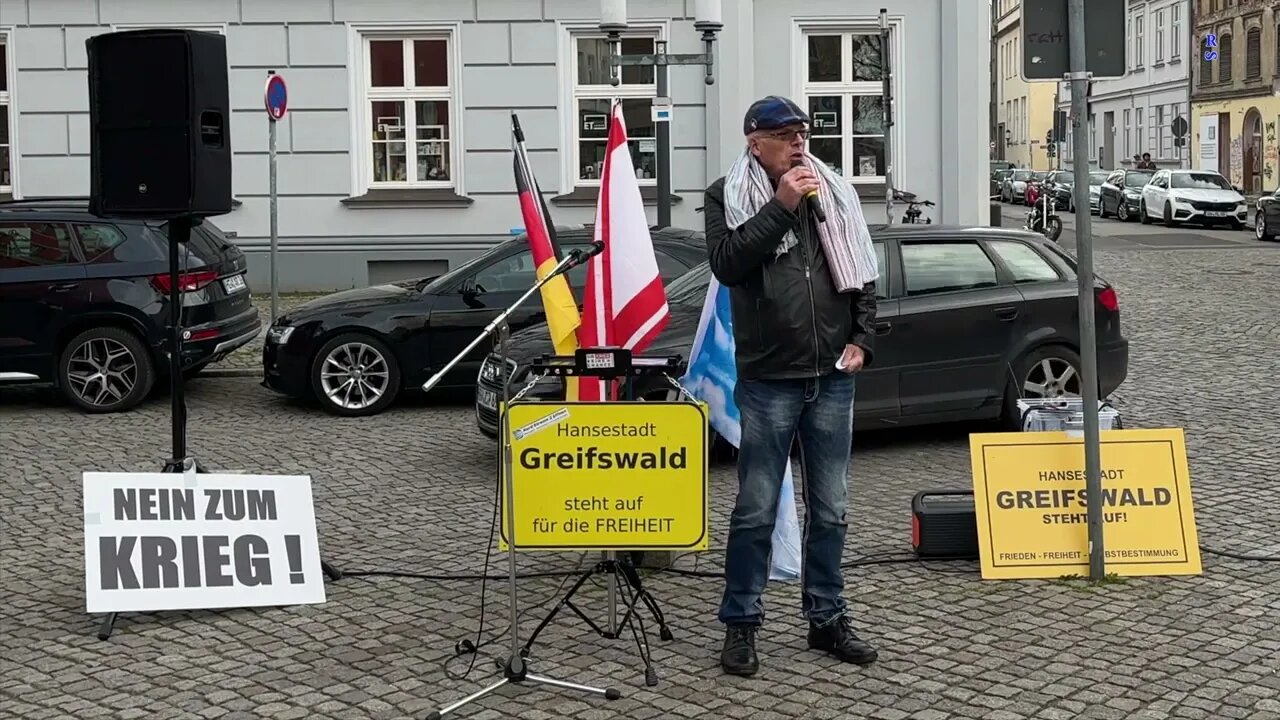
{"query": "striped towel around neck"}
{"type": "Point", "coordinates": [846, 241]}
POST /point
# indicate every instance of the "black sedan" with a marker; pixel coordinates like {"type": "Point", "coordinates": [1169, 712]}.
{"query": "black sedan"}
{"type": "Point", "coordinates": [84, 302]}
{"type": "Point", "coordinates": [1122, 193]}
{"type": "Point", "coordinates": [970, 319]}
{"type": "Point", "coordinates": [1266, 219]}
{"type": "Point", "coordinates": [356, 350]}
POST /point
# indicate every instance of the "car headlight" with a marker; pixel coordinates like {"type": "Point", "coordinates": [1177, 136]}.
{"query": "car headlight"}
{"type": "Point", "coordinates": [279, 335]}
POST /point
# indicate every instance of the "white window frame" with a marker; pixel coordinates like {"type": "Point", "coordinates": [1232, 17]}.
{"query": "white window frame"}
{"type": "Point", "coordinates": [1139, 38]}
{"type": "Point", "coordinates": [569, 32]}
{"type": "Point", "coordinates": [1137, 131]}
{"type": "Point", "coordinates": [1175, 32]}
{"type": "Point", "coordinates": [1159, 47]}
{"type": "Point", "coordinates": [362, 96]}
{"type": "Point", "coordinates": [6, 106]}
{"type": "Point", "coordinates": [895, 138]}
{"type": "Point", "coordinates": [219, 28]}
{"type": "Point", "coordinates": [1128, 131]}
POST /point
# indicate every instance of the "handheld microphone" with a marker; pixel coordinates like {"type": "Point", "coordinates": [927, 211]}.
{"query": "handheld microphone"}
{"type": "Point", "coordinates": [811, 198]}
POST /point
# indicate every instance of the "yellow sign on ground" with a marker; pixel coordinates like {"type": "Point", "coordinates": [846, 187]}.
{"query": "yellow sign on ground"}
{"type": "Point", "coordinates": [607, 476]}
{"type": "Point", "coordinates": [1029, 493]}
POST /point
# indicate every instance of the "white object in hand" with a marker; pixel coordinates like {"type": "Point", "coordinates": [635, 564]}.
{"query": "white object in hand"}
{"type": "Point", "coordinates": [840, 365]}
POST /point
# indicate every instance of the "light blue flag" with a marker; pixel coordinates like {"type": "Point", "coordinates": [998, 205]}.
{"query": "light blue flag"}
{"type": "Point", "coordinates": [710, 378]}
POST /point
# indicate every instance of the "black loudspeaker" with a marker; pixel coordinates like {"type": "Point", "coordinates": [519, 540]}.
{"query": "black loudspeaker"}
{"type": "Point", "coordinates": [159, 124]}
{"type": "Point", "coordinates": [944, 525]}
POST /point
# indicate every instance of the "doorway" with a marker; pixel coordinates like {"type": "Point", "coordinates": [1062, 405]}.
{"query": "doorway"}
{"type": "Point", "coordinates": [1108, 140]}
{"type": "Point", "coordinates": [1252, 141]}
{"type": "Point", "coordinates": [1224, 145]}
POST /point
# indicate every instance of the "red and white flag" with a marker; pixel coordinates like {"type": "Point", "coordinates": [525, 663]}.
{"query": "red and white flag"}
{"type": "Point", "coordinates": [625, 304]}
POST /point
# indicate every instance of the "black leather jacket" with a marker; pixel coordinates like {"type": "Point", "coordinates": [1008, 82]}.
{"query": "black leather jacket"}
{"type": "Point", "coordinates": [789, 322]}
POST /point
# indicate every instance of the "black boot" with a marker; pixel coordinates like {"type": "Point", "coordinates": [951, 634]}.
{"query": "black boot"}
{"type": "Point", "coordinates": [738, 657]}
{"type": "Point", "coordinates": [839, 640]}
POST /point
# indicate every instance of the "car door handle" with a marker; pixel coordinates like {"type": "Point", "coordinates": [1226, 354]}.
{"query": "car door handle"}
{"type": "Point", "coordinates": [64, 287]}
{"type": "Point", "coordinates": [1006, 313]}
{"type": "Point", "coordinates": [884, 327]}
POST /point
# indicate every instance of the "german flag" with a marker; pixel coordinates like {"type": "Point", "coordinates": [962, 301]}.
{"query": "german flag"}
{"type": "Point", "coordinates": [563, 318]}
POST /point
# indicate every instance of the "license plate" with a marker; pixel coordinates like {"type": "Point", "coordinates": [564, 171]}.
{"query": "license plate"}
{"type": "Point", "coordinates": [1217, 213]}
{"type": "Point", "coordinates": [487, 398]}
{"type": "Point", "coordinates": [234, 284]}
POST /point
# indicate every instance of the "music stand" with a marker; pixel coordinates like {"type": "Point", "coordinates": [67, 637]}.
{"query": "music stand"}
{"type": "Point", "coordinates": [609, 364]}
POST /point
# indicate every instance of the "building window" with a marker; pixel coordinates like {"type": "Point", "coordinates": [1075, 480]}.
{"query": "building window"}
{"type": "Point", "coordinates": [1253, 54]}
{"type": "Point", "coordinates": [408, 110]}
{"type": "Point", "coordinates": [843, 90]}
{"type": "Point", "coordinates": [593, 99]}
{"type": "Point", "coordinates": [1128, 128]}
{"type": "Point", "coordinates": [1224, 58]}
{"type": "Point", "coordinates": [1138, 40]}
{"type": "Point", "coordinates": [1159, 54]}
{"type": "Point", "coordinates": [1137, 132]}
{"type": "Point", "coordinates": [1206, 65]}
{"type": "Point", "coordinates": [1159, 128]}
{"type": "Point", "coordinates": [1175, 32]}
{"type": "Point", "coordinates": [6, 145]}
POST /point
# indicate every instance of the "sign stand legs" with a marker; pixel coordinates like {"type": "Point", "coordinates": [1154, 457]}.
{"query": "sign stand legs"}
{"type": "Point", "coordinates": [515, 669]}
{"type": "Point", "coordinates": [179, 462]}
{"type": "Point", "coordinates": [615, 569]}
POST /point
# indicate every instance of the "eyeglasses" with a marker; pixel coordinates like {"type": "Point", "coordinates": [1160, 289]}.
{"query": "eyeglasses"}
{"type": "Point", "coordinates": [788, 135]}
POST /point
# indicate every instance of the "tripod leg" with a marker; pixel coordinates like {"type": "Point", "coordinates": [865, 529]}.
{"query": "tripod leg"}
{"type": "Point", "coordinates": [608, 693]}
{"type": "Point", "coordinates": [108, 624]}
{"type": "Point", "coordinates": [633, 579]}
{"type": "Point", "coordinates": [565, 601]}
{"type": "Point", "coordinates": [436, 715]}
{"type": "Point", "coordinates": [642, 645]}
{"type": "Point", "coordinates": [330, 571]}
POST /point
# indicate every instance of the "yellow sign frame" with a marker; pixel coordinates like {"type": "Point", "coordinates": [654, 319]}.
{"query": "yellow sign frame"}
{"type": "Point", "coordinates": [672, 504]}
{"type": "Point", "coordinates": [1018, 476]}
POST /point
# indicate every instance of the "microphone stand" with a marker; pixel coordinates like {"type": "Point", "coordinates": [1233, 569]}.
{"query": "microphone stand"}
{"type": "Point", "coordinates": [515, 669]}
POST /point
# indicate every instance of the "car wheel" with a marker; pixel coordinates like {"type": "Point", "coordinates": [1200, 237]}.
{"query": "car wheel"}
{"type": "Point", "coordinates": [1142, 213]}
{"type": "Point", "coordinates": [1237, 225]}
{"type": "Point", "coordinates": [105, 370]}
{"type": "Point", "coordinates": [1168, 216]}
{"type": "Point", "coordinates": [1051, 371]}
{"type": "Point", "coordinates": [1260, 229]}
{"type": "Point", "coordinates": [354, 375]}
{"type": "Point", "coordinates": [1122, 212]}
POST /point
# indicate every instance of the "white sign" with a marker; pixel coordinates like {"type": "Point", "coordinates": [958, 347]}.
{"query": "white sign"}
{"type": "Point", "coordinates": [171, 541]}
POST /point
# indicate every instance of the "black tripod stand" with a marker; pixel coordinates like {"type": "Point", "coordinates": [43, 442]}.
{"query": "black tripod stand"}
{"type": "Point", "coordinates": [179, 462]}
{"type": "Point", "coordinates": [609, 365]}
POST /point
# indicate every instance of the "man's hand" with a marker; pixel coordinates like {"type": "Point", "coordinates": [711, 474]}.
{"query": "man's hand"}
{"type": "Point", "coordinates": [792, 187]}
{"type": "Point", "coordinates": [852, 359]}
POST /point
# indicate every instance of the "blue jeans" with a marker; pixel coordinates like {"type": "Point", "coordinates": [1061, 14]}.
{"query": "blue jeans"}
{"type": "Point", "coordinates": [820, 412]}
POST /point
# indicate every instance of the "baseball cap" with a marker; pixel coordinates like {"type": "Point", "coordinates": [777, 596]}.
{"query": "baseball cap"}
{"type": "Point", "coordinates": [772, 112]}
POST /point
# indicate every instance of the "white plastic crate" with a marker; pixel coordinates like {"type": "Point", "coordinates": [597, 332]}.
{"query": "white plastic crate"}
{"type": "Point", "coordinates": [1067, 413]}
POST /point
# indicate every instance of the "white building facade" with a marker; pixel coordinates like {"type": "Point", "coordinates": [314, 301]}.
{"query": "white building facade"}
{"type": "Point", "coordinates": [395, 155]}
{"type": "Point", "coordinates": [1134, 114]}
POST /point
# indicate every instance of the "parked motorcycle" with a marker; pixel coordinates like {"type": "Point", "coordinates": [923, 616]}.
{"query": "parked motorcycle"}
{"type": "Point", "coordinates": [1043, 216]}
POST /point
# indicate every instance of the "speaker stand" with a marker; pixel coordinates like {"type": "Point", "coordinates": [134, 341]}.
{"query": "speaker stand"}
{"type": "Point", "coordinates": [179, 461]}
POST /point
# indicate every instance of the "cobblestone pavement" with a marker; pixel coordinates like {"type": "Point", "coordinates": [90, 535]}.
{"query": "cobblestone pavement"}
{"type": "Point", "coordinates": [411, 490]}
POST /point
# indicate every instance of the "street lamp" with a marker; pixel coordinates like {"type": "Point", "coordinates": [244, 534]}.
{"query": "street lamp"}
{"type": "Point", "coordinates": [613, 22]}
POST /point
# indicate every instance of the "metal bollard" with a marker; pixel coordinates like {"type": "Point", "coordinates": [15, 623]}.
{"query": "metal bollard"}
{"type": "Point", "coordinates": [997, 219]}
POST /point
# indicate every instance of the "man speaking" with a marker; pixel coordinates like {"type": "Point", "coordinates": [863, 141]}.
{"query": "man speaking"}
{"type": "Point", "coordinates": [786, 235]}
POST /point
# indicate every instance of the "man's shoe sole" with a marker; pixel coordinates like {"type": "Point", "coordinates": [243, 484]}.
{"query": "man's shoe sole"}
{"type": "Point", "coordinates": [740, 672]}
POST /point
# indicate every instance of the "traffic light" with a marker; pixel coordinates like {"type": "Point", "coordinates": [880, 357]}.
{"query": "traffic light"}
{"type": "Point", "coordinates": [1048, 137]}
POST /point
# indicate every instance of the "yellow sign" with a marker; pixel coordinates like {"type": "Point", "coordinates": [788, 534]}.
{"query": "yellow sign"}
{"type": "Point", "coordinates": [1029, 493]}
{"type": "Point", "coordinates": [607, 476]}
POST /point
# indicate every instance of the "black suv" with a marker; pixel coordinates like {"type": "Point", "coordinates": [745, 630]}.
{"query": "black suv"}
{"type": "Point", "coordinates": [84, 301]}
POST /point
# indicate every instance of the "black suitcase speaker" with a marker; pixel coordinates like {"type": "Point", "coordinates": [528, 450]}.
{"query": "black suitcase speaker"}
{"type": "Point", "coordinates": [944, 525]}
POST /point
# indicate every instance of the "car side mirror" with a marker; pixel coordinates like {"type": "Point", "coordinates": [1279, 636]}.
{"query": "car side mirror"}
{"type": "Point", "coordinates": [1238, 189]}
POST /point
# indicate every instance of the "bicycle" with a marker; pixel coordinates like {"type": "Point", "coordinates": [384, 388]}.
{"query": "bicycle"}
{"type": "Point", "coordinates": [913, 212]}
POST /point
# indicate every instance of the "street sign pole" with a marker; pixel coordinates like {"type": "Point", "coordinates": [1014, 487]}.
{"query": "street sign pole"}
{"type": "Point", "coordinates": [1079, 79]}
{"type": "Point", "coordinates": [275, 97]}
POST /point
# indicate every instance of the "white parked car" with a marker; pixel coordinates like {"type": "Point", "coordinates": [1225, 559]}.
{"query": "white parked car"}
{"type": "Point", "coordinates": [1200, 196]}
